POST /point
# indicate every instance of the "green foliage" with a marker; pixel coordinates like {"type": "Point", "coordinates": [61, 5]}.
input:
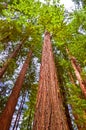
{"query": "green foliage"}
{"type": "Point", "coordinates": [1, 47]}
{"type": "Point", "coordinates": [64, 63]}
{"type": "Point", "coordinates": [29, 18]}
{"type": "Point", "coordinates": [78, 104]}
{"type": "Point", "coordinates": [49, 19]}
{"type": "Point", "coordinates": [11, 67]}
{"type": "Point", "coordinates": [29, 112]}
{"type": "Point", "coordinates": [77, 48]}
{"type": "Point", "coordinates": [83, 74]}
{"type": "Point", "coordinates": [3, 101]}
{"type": "Point", "coordinates": [7, 31]}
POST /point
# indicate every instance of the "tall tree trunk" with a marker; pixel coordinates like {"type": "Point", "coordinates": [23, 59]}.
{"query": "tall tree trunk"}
{"type": "Point", "coordinates": [77, 71]}
{"type": "Point", "coordinates": [13, 55]}
{"type": "Point", "coordinates": [7, 114]}
{"type": "Point", "coordinates": [49, 113]}
{"type": "Point", "coordinates": [16, 123]}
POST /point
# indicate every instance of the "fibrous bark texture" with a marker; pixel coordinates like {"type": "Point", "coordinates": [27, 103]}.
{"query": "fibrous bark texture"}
{"type": "Point", "coordinates": [49, 113]}
{"type": "Point", "coordinates": [77, 71]}
{"type": "Point", "coordinates": [79, 78]}
{"type": "Point", "coordinates": [6, 117]}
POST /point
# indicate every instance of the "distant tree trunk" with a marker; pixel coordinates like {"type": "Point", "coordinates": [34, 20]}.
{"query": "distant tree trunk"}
{"type": "Point", "coordinates": [13, 55]}
{"type": "Point", "coordinates": [49, 113]}
{"type": "Point", "coordinates": [71, 78]}
{"type": "Point", "coordinates": [64, 97]}
{"type": "Point", "coordinates": [7, 114]}
{"type": "Point", "coordinates": [16, 123]}
{"type": "Point", "coordinates": [76, 116]}
{"type": "Point", "coordinates": [77, 71]}
{"type": "Point", "coordinates": [64, 90]}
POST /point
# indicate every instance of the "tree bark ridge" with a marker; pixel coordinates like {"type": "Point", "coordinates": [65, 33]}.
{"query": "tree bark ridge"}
{"type": "Point", "coordinates": [49, 113]}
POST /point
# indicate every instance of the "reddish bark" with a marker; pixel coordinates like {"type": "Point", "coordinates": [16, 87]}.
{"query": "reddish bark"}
{"type": "Point", "coordinates": [7, 114]}
{"type": "Point", "coordinates": [13, 55]}
{"type": "Point", "coordinates": [49, 113]}
{"type": "Point", "coordinates": [77, 71]}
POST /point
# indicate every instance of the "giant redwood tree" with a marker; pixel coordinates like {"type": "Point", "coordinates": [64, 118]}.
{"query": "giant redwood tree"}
{"type": "Point", "coordinates": [49, 113]}
{"type": "Point", "coordinates": [7, 113]}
